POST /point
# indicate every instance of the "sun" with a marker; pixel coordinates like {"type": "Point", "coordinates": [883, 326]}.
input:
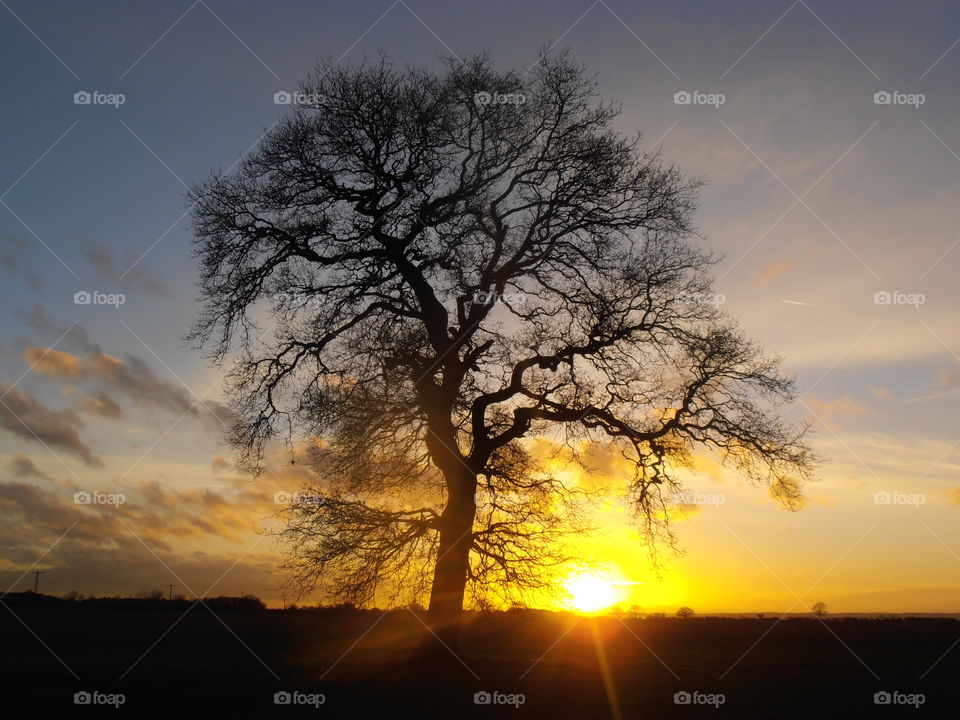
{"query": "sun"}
{"type": "Point", "coordinates": [592, 592]}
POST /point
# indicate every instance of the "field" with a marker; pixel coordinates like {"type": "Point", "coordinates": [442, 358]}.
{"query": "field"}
{"type": "Point", "coordinates": [367, 664]}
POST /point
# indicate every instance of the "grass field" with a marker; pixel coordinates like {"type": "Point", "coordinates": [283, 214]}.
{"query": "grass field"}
{"type": "Point", "coordinates": [365, 664]}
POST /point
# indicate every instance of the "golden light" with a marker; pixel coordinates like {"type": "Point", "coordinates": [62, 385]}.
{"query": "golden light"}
{"type": "Point", "coordinates": [591, 592]}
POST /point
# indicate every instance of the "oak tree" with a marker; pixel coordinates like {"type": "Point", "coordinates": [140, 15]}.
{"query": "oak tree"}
{"type": "Point", "coordinates": [416, 273]}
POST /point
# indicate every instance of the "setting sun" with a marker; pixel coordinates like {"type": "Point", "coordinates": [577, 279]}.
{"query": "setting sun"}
{"type": "Point", "coordinates": [592, 592]}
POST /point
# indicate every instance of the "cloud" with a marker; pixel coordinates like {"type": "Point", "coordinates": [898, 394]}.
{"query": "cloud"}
{"type": "Point", "coordinates": [950, 376]}
{"type": "Point", "coordinates": [53, 362]}
{"type": "Point", "coordinates": [102, 405]}
{"type": "Point", "coordinates": [788, 493]}
{"type": "Point", "coordinates": [11, 251]}
{"type": "Point", "coordinates": [22, 466]}
{"type": "Point", "coordinates": [602, 464]}
{"type": "Point", "coordinates": [36, 319]}
{"type": "Point", "coordinates": [107, 270]}
{"type": "Point", "coordinates": [953, 497]}
{"type": "Point", "coordinates": [200, 531]}
{"type": "Point", "coordinates": [28, 418]}
{"type": "Point", "coordinates": [831, 411]}
{"type": "Point", "coordinates": [130, 376]}
{"type": "Point", "coordinates": [769, 273]}
{"type": "Point", "coordinates": [163, 516]}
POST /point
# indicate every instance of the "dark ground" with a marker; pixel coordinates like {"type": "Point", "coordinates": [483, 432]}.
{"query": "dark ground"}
{"type": "Point", "coordinates": [202, 666]}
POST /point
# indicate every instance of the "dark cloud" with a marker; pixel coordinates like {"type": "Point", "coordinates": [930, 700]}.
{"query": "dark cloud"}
{"type": "Point", "coordinates": [71, 337]}
{"type": "Point", "coordinates": [11, 251]}
{"type": "Point", "coordinates": [36, 319]}
{"type": "Point", "coordinates": [200, 532]}
{"type": "Point", "coordinates": [116, 274]}
{"type": "Point", "coordinates": [104, 552]}
{"type": "Point", "coordinates": [28, 418]}
{"type": "Point", "coordinates": [77, 357]}
{"type": "Point", "coordinates": [130, 376]}
{"type": "Point", "coordinates": [21, 466]}
{"type": "Point", "coordinates": [102, 405]}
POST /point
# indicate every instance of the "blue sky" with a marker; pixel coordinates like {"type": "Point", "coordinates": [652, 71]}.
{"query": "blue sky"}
{"type": "Point", "coordinates": [817, 196]}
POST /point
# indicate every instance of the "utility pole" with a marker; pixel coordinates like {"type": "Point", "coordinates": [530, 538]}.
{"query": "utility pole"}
{"type": "Point", "coordinates": [36, 579]}
{"type": "Point", "coordinates": [171, 586]}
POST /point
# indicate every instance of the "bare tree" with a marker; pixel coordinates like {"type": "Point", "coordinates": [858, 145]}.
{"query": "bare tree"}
{"type": "Point", "coordinates": [416, 272]}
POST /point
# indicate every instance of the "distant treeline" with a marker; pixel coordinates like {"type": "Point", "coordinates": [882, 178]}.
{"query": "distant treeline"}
{"type": "Point", "coordinates": [157, 600]}
{"type": "Point", "coordinates": [146, 601]}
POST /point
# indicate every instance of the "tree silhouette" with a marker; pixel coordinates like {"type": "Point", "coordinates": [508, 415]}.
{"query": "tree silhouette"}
{"type": "Point", "coordinates": [685, 613]}
{"type": "Point", "coordinates": [415, 273]}
{"type": "Point", "coordinates": [819, 610]}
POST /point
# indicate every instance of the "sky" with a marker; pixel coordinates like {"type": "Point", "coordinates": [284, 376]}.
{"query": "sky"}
{"type": "Point", "coordinates": [834, 211]}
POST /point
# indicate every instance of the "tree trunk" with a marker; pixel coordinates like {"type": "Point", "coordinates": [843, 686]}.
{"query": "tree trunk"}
{"type": "Point", "coordinates": [453, 558]}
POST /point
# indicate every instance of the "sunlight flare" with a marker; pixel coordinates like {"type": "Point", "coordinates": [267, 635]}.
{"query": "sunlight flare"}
{"type": "Point", "coordinates": [592, 592]}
